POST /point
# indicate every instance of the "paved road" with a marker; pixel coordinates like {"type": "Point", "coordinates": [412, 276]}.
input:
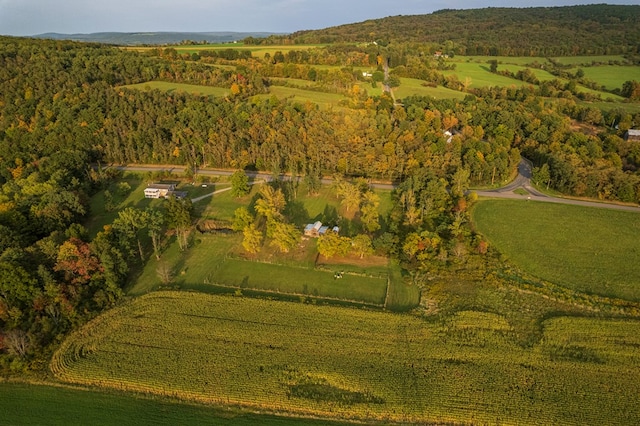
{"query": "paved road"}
{"type": "Point", "coordinates": [522, 181]}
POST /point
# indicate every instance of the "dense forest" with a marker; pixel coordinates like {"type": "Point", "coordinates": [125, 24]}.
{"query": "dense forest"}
{"type": "Point", "coordinates": [536, 31]}
{"type": "Point", "coordinates": [64, 107]}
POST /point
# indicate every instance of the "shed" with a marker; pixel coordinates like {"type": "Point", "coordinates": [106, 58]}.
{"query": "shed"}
{"type": "Point", "coordinates": [632, 135]}
{"type": "Point", "coordinates": [313, 229]}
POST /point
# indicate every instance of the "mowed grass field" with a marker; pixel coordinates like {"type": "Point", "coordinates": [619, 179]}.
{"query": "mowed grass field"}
{"type": "Point", "coordinates": [589, 250]}
{"type": "Point", "coordinates": [299, 95]}
{"type": "Point", "coordinates": [24, 404]}
{"type": "Point", "coordinates": [612, 76]}
{"type": "Point", "coordinates": [356, 364]}
{"type": "Point", "coordinates": [181, 87]}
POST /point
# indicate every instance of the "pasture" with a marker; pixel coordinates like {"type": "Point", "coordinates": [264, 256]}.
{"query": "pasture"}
{"type": "Point", "coordinates": [355, 364]}
{"type": "Point", "coordinates": [589, 250]}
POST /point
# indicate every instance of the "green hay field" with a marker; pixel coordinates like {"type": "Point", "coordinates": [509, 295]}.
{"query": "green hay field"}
{"type": "Point", "coordinates": [480, 76]}
{"type": "Point", "coordinates": [356, 364]}
{"type": "Point", "coordinates": [612, 76]}
{"type": "Point", "coordinates": [589, 250]}
{"type": "Point", "coordinates": [323, 99]}
{"type": "Point", "coordinates": [412, 86]}
{"type": "Point", "coordinates": [181, 87]}
{"type": "Point", "coordinates": [23, 404]}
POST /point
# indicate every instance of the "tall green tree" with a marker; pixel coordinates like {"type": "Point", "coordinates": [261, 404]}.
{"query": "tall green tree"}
{"type": "Point", "coordinates": [239, 184]}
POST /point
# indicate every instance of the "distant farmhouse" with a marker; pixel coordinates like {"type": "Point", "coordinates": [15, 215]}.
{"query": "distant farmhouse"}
{"type": "Point", "coordinates": [163, 190]}
{"type": "Point", "coordinates": [632, 135]}
{"type": "Point", "coordinates": [315, 230]}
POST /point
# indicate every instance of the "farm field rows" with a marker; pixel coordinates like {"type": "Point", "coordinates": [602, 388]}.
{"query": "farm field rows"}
{"type": "Point", "coordinates": [358, 364]}
{"type": "Point", "coordinates": [589, 250]}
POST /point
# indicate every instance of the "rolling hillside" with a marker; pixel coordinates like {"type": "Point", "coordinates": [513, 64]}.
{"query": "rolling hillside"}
{"type": "Point", "coordinates": [541, 31]}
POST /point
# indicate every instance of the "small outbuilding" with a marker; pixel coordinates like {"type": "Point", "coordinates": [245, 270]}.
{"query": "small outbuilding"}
{"type": "Point", "coordinates": [313, 229]}
{"type": "Point", "coordinates": [317, 229]}
{"type": "Point", "coordinates": [632, 135]}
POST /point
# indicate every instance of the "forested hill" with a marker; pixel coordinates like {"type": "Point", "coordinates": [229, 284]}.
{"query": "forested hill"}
{"type": "Point", "coordinates": [553, 31]}
{"type": "Point", "coordinates": [155, 38]}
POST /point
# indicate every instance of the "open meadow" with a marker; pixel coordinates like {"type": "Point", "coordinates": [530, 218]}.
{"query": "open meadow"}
{"type": "Point", "coordinates": [588, 250]}
{"type": "Point", "coordinates": [181, 87]}
{"type": "Point", "coordinates": [356, 364]}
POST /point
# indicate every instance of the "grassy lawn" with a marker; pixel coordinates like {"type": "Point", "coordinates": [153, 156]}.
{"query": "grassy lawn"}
{"type": "Point", "coordinates": [359, 364]}
{"type": "Point", "coordinates": [585, 249]}
{"type": "Point", "coordinates": [23, 404]}
{"type": "Point", "coordinates": [122, 199]}
{"type": "Point", "coordinates": [134, 197]}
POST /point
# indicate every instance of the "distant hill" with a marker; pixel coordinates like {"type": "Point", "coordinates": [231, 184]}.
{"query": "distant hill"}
{"type": "Point", "coordinates": [156, 38]}
{"type": "Point", "coordinates": [539, 31]}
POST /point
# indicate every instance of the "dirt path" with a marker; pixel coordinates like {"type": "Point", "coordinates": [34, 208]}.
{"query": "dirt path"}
{"type": "Point", "coordinates": [211, 194]}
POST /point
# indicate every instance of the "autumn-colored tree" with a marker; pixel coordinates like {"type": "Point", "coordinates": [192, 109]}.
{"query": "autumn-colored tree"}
{"type": "Point", "coordinates": [331, 244]}
{"type": "Point", "coordinates": [285, 236]}
{"type": "Point", "coordinates": [350, 194]}
{"type": "Point", "coordinates": [369, 211]}
{"type": "Point", "coordinates": [252, 240]}
{"type": "Point", "coordinates": [271, 203]}
{"type": "Point", "coordinates": [241, 219]}
{"type": "Point", "coordinates": [361, 245]}
{"type": "Point", "coordinates": [77, 262]}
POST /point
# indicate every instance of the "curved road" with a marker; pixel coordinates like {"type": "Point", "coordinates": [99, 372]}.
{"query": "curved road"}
{"type": "Point", "coordinates": [522, 181]}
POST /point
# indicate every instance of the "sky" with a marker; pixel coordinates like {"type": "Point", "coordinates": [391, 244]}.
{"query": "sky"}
{"type": "Point", "coordinates": [32, 17]}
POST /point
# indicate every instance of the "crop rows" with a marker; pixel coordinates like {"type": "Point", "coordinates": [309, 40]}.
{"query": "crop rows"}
{"type": "Point", "coordinates": [356, 363]}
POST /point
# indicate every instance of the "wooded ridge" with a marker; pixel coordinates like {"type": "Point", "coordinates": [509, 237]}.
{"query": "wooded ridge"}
{"type": "Point", "coordinates": [536, 31]}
